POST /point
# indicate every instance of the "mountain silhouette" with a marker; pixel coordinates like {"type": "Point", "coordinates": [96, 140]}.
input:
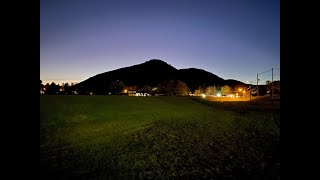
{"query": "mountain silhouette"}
{"type": "Point", "coordinates": [151, 73]}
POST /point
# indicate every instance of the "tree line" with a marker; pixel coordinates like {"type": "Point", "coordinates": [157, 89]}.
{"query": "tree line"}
{"type": "Point", "coordinates": [168, 87]}
{"type": "Point", "coordinates": [53, 88]}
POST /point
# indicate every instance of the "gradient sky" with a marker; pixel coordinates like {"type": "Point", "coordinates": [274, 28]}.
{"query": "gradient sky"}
{"type": "Point", "coordinates": [234, 39]}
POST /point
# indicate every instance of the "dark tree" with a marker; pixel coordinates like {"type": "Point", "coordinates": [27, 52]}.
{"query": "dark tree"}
{"type": "Point", "coordinates": [116, 87]}
{"type": "Point", "coordinates": [147, 89]}
{"type": "Point", "coordinates": [173, 88]}
{"type": "Point", "coordinates": [53, 89]}
{"type": "Point", "coordinates": [66, 88]}
{"type": "Point", "coordinates": [41, 85]}
{"type": "Point", "coordinates": [181, 88]}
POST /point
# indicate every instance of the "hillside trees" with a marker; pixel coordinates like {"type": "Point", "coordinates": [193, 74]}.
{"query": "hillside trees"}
{"type": "Point", "coordinates": [173, 87]}
{"type": "Point", "coordinates": [210, 90]}
{"type": "Point", "coordinates": [225, 90]}
{"type": "Point", "coordinates": [116, 87]}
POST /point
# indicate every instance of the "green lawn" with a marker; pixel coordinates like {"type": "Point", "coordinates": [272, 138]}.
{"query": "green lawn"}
{"type": "Point", "coordinates": [121, 137]}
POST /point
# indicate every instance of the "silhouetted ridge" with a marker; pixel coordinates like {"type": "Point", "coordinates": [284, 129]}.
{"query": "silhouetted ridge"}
{"type": "Point", "coordinates": [151, 73]}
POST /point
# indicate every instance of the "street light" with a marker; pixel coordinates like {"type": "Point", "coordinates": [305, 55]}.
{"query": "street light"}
{"type": "Point", "coordinates": [241, 91]}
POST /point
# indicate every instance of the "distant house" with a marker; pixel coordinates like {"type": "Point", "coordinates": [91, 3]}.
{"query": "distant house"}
{"type": "Point", "coordinates": [139, 92]}
{"type": "Point", "coordinates": [42, 90]}
{"type": "Point", "coordinates": [74, 92]}
{"type": "Point", "coordinates": [132, 92]}
{"type": "Point", "coordinates": [142, 94]}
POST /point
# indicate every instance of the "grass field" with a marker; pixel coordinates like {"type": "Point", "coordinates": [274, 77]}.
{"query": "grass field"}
{"type": "Point", "coordinates": [121, 137]}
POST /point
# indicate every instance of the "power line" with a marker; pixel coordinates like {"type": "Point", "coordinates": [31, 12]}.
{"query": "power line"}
{"type": "Point", "coordinates": [264, 77]}
{"type": "Point", "coordinates": [265, 71]}
{"type": "Point", "coordinates": [253, 82]}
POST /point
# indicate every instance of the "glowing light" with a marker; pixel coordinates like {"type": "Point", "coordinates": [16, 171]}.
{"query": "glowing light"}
{"type": "Point", "coordinates": [240, 89]}
{"type": "Point", "coordinates": [219, 95]}
{"type": "Point", "coordinates": [230, 95]}
{"type": "Point", "coordinates": [203, 95]}
{"type": "Point", "coordinates": [125, 91]}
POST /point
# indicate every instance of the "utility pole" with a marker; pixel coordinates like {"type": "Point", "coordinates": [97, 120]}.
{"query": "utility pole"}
{"type": "Point", "coordinates": [250, 91]}
{"type": "Point", "coordinates": [272, 87]}
{"type": "Point", "coordinates": [257, 87]}
{"type": "Point", "coordinates": [272, 84]}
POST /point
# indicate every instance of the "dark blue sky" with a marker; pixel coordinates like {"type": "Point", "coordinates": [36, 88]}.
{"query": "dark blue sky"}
{"type": "Point", "coordinates": [234, 39]}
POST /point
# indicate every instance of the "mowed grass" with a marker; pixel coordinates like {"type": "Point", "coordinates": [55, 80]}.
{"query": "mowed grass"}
{"type": "Point", "coordinates": [121, 137]}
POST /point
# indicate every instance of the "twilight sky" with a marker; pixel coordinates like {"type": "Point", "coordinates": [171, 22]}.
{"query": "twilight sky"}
{"type": "Point", "coordinates": [233, 39]}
